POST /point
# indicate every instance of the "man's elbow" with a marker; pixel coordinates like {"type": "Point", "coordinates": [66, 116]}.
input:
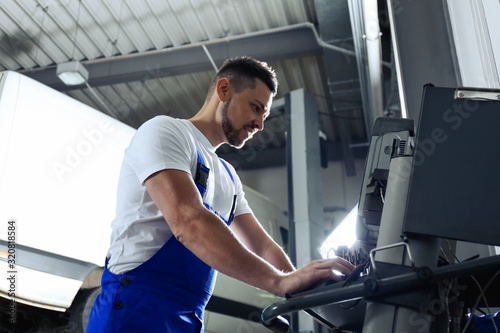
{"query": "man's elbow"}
{"type": "Point", "coordinates": [185, 225]}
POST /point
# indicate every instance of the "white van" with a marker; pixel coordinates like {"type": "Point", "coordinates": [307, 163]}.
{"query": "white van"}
{"type": "Point", "coordinates": [59, 165]}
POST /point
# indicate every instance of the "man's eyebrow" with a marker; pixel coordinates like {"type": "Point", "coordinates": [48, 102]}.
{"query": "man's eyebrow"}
{"type": "Point", "coordinates": [261, 105]}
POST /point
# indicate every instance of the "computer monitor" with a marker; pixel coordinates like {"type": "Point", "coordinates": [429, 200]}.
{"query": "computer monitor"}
{"type": "Point", "coordinates": [454, 189]}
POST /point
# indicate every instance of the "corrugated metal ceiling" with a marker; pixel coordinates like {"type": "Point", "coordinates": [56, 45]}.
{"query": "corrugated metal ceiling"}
{"type": "Point", "coordinates": [36, 35]}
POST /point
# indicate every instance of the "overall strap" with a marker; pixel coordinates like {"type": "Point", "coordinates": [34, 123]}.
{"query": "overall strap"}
{"type": "Point", "coordinates": [201, 177]}
{"type": "Point", "coordinates": [201, 180]}
{"type": "Point", "coordinates": [231, 215]}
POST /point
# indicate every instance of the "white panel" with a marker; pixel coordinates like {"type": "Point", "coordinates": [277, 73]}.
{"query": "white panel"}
{"type": "Point", "coordinates": [301, 212]}
{"type": "Point", "coordinates": [39, 289]}
{"type": "Point", "coordinates": [60, 166]}
{"type": "Point", "coordinates": [476, 42]}
{"type": "Point", "coordinates": [492, 12]}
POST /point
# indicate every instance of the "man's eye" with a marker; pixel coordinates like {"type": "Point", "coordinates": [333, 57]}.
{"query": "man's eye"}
{"type": "Point", "coordinates": [256, 108]}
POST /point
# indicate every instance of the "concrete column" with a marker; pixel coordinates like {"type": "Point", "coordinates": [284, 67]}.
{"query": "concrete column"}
{"type": "Point", "coordinates": [305, 186]}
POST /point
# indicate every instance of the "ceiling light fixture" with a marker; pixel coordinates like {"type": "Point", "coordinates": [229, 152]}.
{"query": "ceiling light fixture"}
{"type": "Point", "coordinates": [72, 73]}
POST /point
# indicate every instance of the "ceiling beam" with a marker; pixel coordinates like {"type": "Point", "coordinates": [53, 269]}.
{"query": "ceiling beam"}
{"type": "Point", "coordinates": [268, 45]}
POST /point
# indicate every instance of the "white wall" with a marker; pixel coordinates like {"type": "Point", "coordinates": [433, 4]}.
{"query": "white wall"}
{"type": "Point", "coordinates": [476, 33]}
{"type": "Point", "coordinates": [271, 182]}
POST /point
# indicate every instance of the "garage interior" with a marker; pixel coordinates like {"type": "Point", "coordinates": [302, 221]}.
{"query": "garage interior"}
{"type": "Point", "coordinates": [341, 64]}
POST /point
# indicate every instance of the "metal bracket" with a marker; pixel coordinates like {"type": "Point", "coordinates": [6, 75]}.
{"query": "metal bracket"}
{"type": "Point", "coordinates": [478, 94]}
{"type": "Point", "coordinates": [372, 254]}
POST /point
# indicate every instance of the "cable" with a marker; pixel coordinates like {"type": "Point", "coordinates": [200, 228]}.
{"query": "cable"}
{"type": "Point", "coordinates": [486, 303]}
{"type": "Point", "coordinates": [76, 30]}
{"type": "Point", "coordinates": [482, 295]}
{"type": "Point", "coordinates": [101, 101]}
{"type": "Point", "coordinates": [355, 274]}
{"type": "Point", "coordinates": [44, 9]}
{"type": "Point", "coordinates": [452, 251]}
{"type": "Point", "coordinates": [445, 259]}
{"type": "Point", "coordinates": [447, 303]}
{"type": "Point", "coordinates": [209, 57]}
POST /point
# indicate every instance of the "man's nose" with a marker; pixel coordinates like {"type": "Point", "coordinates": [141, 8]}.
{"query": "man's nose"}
{"type": "Point", "coordinates": [259, 123]}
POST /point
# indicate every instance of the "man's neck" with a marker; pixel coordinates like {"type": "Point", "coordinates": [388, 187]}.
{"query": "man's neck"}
{"type": "Point", "coordinates": [206, 122]}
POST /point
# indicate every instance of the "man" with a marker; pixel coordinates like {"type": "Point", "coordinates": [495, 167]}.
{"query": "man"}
{"type": "Point", "coordinates": [181, 213]}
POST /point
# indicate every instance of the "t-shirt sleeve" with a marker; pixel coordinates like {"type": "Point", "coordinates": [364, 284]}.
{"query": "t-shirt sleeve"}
{"type": "Point", "coordinates": [157, 145]}
{"type": "Point", "coordinates": [242, 206]}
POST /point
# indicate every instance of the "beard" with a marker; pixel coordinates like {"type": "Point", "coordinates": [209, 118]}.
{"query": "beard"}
{"type": "Point", "coordinates": [232, 135]}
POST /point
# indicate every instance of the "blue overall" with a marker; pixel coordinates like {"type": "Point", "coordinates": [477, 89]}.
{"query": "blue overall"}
{"type": "Point", "coordinates": [167, 293]}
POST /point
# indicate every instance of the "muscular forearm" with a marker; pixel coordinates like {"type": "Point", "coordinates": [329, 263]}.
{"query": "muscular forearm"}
{"type": "Point", "coordinates": [251, 233]}
{"type": "Point", "coordinates": [275, 255]}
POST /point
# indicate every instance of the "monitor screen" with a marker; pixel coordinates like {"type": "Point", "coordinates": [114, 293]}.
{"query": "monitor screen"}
{"type": "Point", "coordinates": [454, 185]}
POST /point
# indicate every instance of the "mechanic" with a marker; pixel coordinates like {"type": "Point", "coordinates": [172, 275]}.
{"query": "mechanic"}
{"type": "Point", "coordinates": [182, 215]}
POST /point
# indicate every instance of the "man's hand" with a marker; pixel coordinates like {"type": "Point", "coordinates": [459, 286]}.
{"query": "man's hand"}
{"type": "Point", "coordinates": [314, 273]}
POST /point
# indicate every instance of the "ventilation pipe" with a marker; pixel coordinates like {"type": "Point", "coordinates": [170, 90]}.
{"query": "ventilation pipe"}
{"type": "Point", "coordinates": [366, 35]}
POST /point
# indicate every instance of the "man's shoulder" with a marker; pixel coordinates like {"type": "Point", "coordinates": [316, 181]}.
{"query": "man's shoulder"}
{"type": "Point", "coordinates": [166, 124]}
{"type": "Point", "coordinates": [163, 120]}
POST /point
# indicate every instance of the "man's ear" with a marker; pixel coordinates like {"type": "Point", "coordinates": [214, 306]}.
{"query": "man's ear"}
{"type": "Point", "coordinates": [223, 89]}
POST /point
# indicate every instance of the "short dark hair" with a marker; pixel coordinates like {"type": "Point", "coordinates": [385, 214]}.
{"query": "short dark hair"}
{"type": "Point", "coordinates": [242, 72]}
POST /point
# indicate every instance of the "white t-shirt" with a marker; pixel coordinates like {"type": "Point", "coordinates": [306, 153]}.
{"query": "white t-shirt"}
{"type": "Point", "coordinates": [139, 229]}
